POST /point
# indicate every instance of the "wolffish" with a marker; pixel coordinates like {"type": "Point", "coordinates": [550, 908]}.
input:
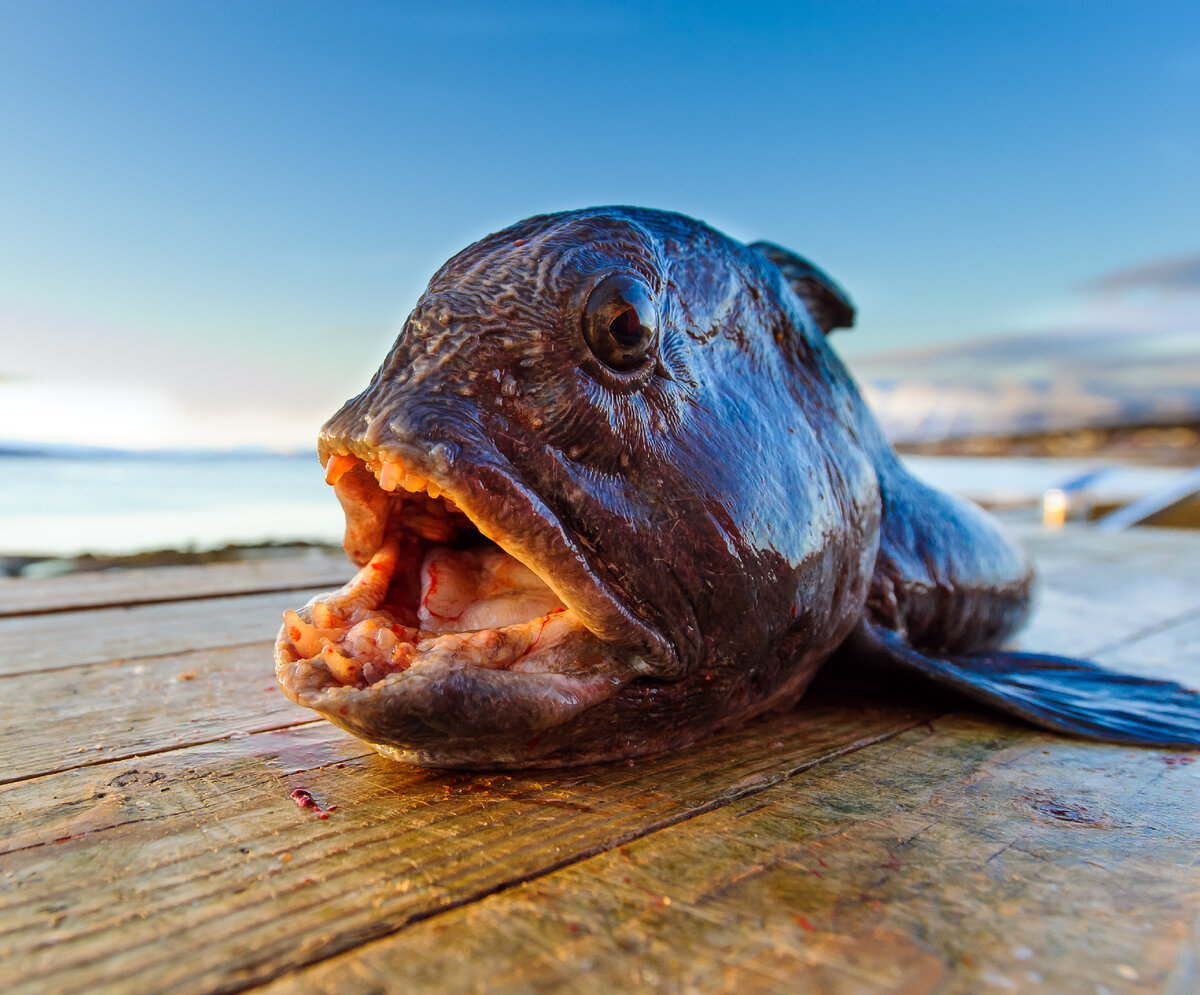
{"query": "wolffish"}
{"type": "Point", "coordinates": [612, 490]}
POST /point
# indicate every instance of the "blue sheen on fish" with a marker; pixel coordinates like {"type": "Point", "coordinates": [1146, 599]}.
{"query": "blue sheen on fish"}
{"type": "Point", "coordinates": [612, 490]}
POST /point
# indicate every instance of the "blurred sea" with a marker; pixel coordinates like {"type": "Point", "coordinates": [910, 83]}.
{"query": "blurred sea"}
{"type": "Point", "coordinates": [52, 506]}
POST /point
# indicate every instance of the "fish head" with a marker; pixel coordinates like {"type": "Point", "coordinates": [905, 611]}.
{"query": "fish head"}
{"type": "Point", "coordinates": [592, 490]}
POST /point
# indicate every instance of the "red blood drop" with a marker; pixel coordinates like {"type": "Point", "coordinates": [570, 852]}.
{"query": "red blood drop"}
{"type": "Point", "coordinates": [303, 798]}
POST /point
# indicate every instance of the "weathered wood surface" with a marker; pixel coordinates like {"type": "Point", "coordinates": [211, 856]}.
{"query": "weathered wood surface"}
{"type": "Point", "coordinates": [66, 640]}
{"type": "Point", "coordinates": [855, 845]}
{"type": "Point", "coordinates": [125, 587]}
{"type": "Point", "coordinates": [959, 856]}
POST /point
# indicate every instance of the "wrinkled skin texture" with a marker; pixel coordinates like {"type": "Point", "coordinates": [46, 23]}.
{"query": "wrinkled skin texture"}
{"type": "Point", "coordinates": [716, 522]}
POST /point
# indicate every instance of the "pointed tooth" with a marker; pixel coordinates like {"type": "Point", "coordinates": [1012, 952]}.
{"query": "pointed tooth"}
{"type": "Point", "coordinates": [325, 617]}
{"type": "Point", "coordinates": [338, 466]}
{"type": "Point", "coordinates": [308, 639]}
{"type": "Point", "coordinates": [296, 628]}
{"type": "Point", "coordinates": [368, 587]}
{"type": "Point", "coordinates": [390, 475]}
{"type": "Point", "coordinates": [346, 671]}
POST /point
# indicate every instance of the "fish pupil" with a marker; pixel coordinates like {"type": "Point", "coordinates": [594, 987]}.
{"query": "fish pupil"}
{"type": "Point", "coordinates": [627, 328]}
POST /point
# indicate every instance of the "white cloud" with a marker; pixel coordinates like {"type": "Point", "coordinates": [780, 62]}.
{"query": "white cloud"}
{"type": "Point", "coordinates": [1120, 356]}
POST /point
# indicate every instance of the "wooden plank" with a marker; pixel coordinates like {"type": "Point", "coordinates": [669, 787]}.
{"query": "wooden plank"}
{"type": "Point", "coordinates": [55, 721]}
{"type": "Point", "coordinates": [1081, 626]}
{"type": "Point", "coordinates": [101, 589]}
{"type": "Point", "coordinates": [106, 805]}
{"type": "Point", "coordinates": [1169, 649]}
{"type": "Point", "coordinates": [1159, 568]}
{"type": "Point", "coordinates": [1100, 591]}
{"type": "Point", "coordinates": [166, 871]}
{"type": "Point", "coordinates": [959, 858]}
{"type": "Point", "coordinates": [193, 869]}
{"type": "Point", "coordinates": [69, 639]}
{"type": "Point", "coordinates": [1086, 590]}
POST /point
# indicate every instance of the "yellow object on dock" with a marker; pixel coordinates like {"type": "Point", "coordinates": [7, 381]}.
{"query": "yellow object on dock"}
{"type": "Point", "coordinates": [1054, 508]}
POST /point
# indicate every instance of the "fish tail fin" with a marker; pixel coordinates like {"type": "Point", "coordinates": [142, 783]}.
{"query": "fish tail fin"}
{"type": "Point", "coordinates": [1054, 692]}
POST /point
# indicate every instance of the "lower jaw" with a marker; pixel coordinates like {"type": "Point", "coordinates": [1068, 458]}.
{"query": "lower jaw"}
{"type": "Point", "coordinates": [544, 691]}
{"type": "Point", "coordinates": [443, 711]}
{"type": "Point", "coordinates": [476, 698]}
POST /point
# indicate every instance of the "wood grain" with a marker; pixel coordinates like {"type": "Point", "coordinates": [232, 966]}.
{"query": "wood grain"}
{"type": "Point", "coordinates": [59, 720]}
{"type": "Point", "coordinates": [962, 857]}
{"type": "Point", "coordinates": [1098, 591]}
{"type": "Point", "coordinates": [1168, 649]}
{"type": "Point", "coordinates": [102, 589]}
{"type": "Point", "coordinates": [842, 848]}
{"type": "Point", "coordinates": [169, 871]}
{"type": "Point", "coordinates": [71, 639]}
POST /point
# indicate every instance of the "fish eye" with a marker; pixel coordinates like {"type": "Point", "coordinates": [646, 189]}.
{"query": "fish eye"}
{"type": "Point", "coordinates": [620, 322]}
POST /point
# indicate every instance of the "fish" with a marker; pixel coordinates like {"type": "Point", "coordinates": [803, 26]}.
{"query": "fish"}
{"type": "Point", "coordinates": [611, 490]}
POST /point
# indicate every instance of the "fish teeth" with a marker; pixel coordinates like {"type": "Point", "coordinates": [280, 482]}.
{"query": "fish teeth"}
{"type": "Point", "coordinates": [391, 476]}
{"type": "Point", "coordinates": [368, 587]}
{"type": "Point", "coordinates": [309, 640]}
{"type": "Point", "coordinates": [338, 466]}
{"type": "Point", "coordinates": [414, 482]}
{"type": "Point", "coordinates": [344, 669]}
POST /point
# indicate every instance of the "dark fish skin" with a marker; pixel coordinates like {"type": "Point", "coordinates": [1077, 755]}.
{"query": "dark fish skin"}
{"type": "Point", "coordinates": [721, 519]}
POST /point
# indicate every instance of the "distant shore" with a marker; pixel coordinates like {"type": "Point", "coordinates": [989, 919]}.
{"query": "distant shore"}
{"type": "Point", "coordinates": [1169, 444]}
{"type": "Point", "coordinates": [53, 566]}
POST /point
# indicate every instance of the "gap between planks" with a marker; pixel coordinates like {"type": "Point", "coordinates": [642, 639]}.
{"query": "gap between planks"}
{"type": "Point", "coordinates": [142, 754]}
{"type": "Point", "coordinates": [147, 705]}
{"type": "Point", "coordinates": [365, 928]}
{"type": "Point", "coordinates": [155, 585]}
{"type": "Point", "coordinates": [120, 707]}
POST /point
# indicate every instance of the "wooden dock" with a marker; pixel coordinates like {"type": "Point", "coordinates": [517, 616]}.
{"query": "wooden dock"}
{"type": "Point", "coordinates": [149, 841]}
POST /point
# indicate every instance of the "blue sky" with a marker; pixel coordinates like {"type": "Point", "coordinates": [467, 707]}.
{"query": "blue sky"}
{"type": "Point", "coordinates": [214, 216]}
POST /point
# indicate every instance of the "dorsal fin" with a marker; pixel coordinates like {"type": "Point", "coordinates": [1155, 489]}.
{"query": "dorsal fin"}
{"type": "Point", "coordinates": [828, 303]}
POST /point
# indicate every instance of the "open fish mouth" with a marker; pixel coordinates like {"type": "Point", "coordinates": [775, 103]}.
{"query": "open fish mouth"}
{"type": "Point", "coordinates": [452, 629]}
{"type": "Point", "coordinates": [435, 588]}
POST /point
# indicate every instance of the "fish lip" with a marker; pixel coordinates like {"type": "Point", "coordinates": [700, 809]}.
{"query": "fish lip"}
{"type": "Point", "coordinates": [472, 481]}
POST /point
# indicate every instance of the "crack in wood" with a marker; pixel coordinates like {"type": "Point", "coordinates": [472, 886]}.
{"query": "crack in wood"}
{"type": "Point", "coordinates": [145, 602]}
{"type": "Point", "coordinates": [190, 744]}
{"type": "Point", "coordinates": [134, 657]}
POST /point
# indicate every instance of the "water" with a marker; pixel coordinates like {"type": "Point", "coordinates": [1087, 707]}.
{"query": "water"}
{"type": "Point", "coordinates": [64, 507]}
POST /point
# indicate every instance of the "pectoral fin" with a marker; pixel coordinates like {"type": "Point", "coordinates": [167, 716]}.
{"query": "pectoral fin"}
{"type": "Point", "coordinates": [1053, 692]}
